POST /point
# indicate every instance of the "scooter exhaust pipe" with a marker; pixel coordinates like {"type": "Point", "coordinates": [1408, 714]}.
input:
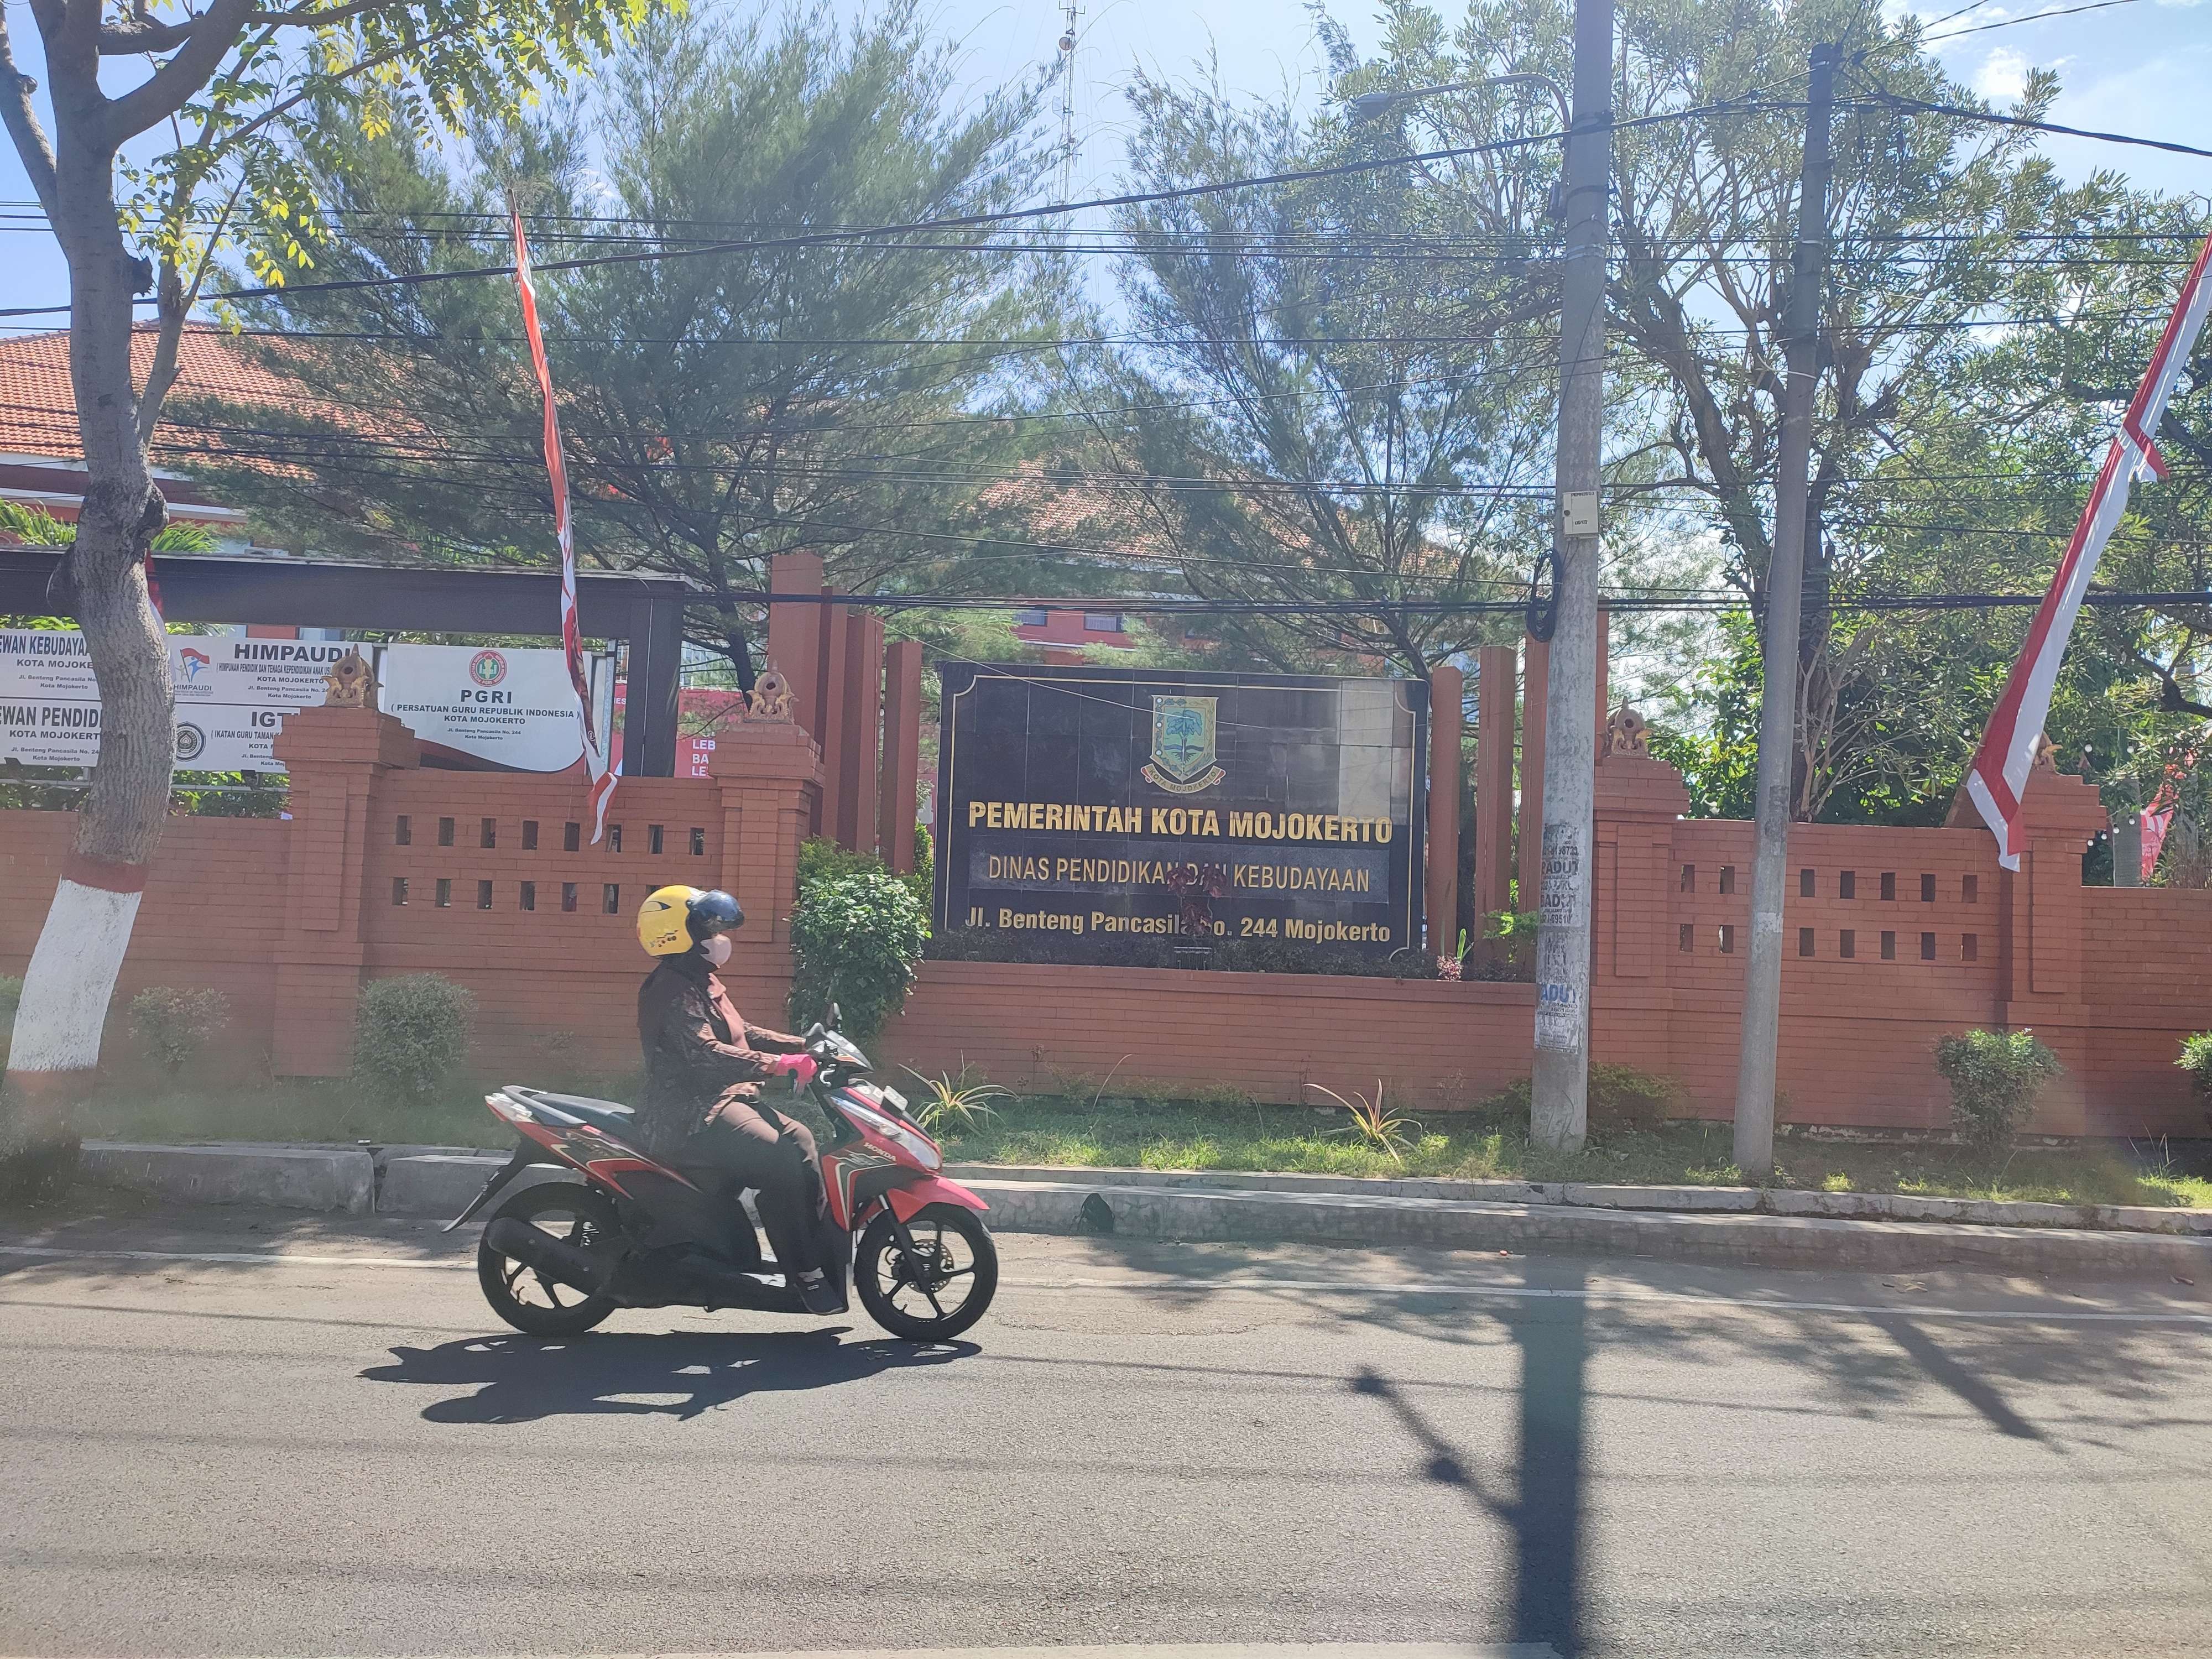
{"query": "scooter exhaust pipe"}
{"type": "Point", "coordinates": [535, 1248]}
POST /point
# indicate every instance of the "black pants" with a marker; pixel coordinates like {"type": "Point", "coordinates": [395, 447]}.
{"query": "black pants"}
{"type": "Point", "coordinates": [766, 1151]}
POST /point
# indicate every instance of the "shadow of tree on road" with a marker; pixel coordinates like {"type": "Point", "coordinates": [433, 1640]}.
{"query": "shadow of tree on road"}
{"type": "Point", "coordinates": [527, 1379]}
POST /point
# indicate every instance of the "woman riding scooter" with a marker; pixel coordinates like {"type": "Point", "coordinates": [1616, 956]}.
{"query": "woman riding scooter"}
{"type": "Point", "coordinates": [704, 1066]}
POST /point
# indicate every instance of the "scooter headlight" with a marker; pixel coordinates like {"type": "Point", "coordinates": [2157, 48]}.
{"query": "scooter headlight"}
{"type": "Point", "coordinates": [919, 1147]}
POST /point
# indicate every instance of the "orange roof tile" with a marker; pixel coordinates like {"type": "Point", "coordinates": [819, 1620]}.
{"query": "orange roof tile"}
{"type": "Point", "coordinates": [38, 410]}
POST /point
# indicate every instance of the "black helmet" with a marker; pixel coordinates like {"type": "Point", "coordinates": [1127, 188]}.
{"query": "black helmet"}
{"type": "Point", "coordinates": [703, 915]}
{"type": "Point", "coordinates": [713, 912]}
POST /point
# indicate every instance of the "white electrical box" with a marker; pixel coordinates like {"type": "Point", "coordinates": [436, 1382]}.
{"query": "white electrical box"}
{"type": "Point", "coordinates": [1578, 512]}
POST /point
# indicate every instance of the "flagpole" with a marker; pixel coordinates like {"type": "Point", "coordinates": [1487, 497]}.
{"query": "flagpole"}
{"type": "Point", "coordinates": [602, 776]}
{"type": "Point", "coordinates": [1997, 780]}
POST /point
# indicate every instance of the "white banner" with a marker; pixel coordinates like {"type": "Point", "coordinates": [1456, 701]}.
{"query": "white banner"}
{"type": "Point", "coordinates": [232, 695]}
{"type": "Point", "coordinates": [512, 711]}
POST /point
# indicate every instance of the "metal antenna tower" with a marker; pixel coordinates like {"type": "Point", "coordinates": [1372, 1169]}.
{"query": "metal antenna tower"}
{"type": "Point", "coordinates": [1069, 13]}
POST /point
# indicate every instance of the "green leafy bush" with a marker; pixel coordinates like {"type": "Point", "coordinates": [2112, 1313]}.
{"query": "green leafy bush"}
{"type": "Point", "coordinates": [949, 1103]}
{"type": "Point", "coordinates": [1995, 1077]}
{"type": "Point", "coordinates": [2195, 1059]}
{"type": "Point", "coordinates": [411, 1033]}
{"type": "Point", "coordinates": [172, 1025]}
{"type": "Point", "coordinates": [1621, 1097]}
{"type": "Point", "coordinates": [821, 859]}
{"type": "Point", "coordinates": [11, 994]}
{"type": "Point", "coordinates": [856, 939]}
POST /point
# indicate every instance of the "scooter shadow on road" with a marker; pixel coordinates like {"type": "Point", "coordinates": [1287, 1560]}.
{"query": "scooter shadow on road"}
{"type": "Point", "coordinates": [526, 1379]}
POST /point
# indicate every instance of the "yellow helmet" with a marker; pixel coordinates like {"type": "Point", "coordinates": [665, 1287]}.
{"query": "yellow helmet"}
{"type": "Point", "coordinates": [674, 919]}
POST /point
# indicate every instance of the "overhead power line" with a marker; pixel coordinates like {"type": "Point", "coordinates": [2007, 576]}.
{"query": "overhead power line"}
{"type": "Point", "coordinates": [2013, 22]}
{"type": "Point", "coordinates": [977, 221]}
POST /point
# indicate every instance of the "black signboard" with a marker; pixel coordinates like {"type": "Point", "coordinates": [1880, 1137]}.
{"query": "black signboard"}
{"type": "Point", "coordinates": [1093, 804]}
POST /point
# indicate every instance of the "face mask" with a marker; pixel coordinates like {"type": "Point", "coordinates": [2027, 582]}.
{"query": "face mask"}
{"type": "Point", "coordinates": [718, 949]}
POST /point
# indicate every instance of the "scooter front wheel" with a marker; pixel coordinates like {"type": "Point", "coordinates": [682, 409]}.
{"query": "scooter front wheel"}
{"type": "Point", "coordinates": [940, 1289]}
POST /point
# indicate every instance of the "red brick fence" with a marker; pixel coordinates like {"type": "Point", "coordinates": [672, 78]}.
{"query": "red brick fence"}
{"type": "Point", "coordinates": [1895, 937]}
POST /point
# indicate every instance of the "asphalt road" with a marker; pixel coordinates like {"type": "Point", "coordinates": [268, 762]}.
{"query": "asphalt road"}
{"type": "Point", "coordinates": [335, 1451]}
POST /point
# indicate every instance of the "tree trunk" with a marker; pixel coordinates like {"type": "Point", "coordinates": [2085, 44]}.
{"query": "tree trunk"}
{"type": "Point", "coordinates": [55, 1044]}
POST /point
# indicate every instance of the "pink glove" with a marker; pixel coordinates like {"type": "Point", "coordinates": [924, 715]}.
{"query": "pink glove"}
{"type": "Point", "coordinates": [799, 1065]}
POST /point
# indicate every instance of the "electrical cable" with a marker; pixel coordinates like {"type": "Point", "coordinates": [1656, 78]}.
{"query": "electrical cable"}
{"type": "Point", "coordinates": [968, 221]}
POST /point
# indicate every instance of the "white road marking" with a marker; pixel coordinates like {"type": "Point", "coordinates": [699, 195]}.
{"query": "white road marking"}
{"type": "Point", "coordinates": [244, 1258]}
{"type": "Point", "coordinates": [1599, 1297]}
{"type": "Point", "coordinates": [1138, 1650]}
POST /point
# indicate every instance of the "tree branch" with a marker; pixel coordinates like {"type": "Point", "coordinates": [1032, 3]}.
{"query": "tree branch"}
{"type": "Point", "coordinates": [323, 16]}
{"type": "Point", "coordinates": [144, 35]}
{"type": "Point", "coordinates": [214, 33]}
{"type": "Point", "coordinates": [22, 118]}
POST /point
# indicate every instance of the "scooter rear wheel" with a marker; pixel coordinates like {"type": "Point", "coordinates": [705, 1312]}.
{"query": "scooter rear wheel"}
{"type": "Point", "coordinates": [577, 1214]}
{"type": "Point", "coordinates": [935, 1299]}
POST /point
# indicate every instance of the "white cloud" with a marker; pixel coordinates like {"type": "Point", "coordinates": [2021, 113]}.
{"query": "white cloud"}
{"type": "Point", "coordinates": [2003, 75]}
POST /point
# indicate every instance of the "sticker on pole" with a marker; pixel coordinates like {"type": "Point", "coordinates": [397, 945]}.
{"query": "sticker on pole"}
{"type": "Point", "coordinates": [1562, 905]}
{"type": "Point", "coordinates": [1559, 1016]}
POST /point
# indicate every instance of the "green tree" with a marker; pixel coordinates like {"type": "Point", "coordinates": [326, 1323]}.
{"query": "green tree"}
{"type": "Point", "coordinates": [781, 395]}
{"type": "Point", "coordinates": [1988, 501]}
{"type": "Point", "coordinates": [237, 83]}
{"type": "Point", "coordinates": [1339, 394]}
{"type": "Point", "coordinates": [1934, 221]}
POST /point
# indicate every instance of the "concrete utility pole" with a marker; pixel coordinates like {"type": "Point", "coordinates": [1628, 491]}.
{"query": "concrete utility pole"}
{"type": "Point", "coordinates": [1785, 582]}
{"type": "Point", "coordinates": [1560, 1110]}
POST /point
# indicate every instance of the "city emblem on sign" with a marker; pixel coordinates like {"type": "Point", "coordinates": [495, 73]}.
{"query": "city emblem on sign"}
{"type": "Point", "coordinates": [488, 668]}
{"type": "Point", "coordinates": [1183, 745]}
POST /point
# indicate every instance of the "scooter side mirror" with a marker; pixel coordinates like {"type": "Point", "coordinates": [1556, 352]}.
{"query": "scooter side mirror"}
{"type": "Point", "coordinates": [836, 1019]}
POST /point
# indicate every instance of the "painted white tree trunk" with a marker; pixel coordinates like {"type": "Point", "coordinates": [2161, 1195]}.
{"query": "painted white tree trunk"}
{"type": "Point", "coordinates": [70, 982]}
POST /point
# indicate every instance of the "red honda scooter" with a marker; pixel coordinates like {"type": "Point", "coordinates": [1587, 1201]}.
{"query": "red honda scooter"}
{"type": "Point", "coordinates": [559, 1256]}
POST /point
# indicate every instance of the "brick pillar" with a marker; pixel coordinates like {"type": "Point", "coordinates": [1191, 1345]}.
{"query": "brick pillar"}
{"type": "Point", "coordinates": [1493, 781]}
{"type": "Point", "coordinates": [768, 775]}
{"type": "Point", "coordinates": [902, 771]}
{"type": "Point", "coordinates": [2041, 923]}
{"type": "Point", "coordinates": [860, 743]}
{"type": "Point", "coordinates": [795, 635]}
{"type": "Point", "coordinates": [336, 758]}
{"type": "Point", "coordinates": [837, 632]}
{"type": "Point", "coordinates": [1631, 1004]}
{"type": "Point", "coordinates": [1447, 726]}
{"type": "Point", "coordinates": [1536, 657]}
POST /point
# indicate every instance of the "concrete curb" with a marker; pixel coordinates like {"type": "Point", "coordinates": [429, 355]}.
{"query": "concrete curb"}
{"type": "Point", "coordinates": [1741, 1201]}
{"type": "Point", "coordinates": [1518, 1216]}
{"type": "Point", "coordinates": [287, 1177]}
{"type": "Point", "coordinates": [1462, 1224]}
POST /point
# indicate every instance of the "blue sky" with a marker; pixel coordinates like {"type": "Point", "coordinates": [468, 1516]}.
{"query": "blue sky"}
{"type": "Point", "coordinates": [2141, 67]}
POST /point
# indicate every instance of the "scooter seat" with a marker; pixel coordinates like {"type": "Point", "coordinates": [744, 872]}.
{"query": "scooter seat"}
{"type": "Point", "coordinates": [609, 1114]}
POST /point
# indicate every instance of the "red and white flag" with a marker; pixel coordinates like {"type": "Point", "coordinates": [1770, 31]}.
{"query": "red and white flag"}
{"type": "Point", "coordinates": [1998, 777]}
{"type": "Point", "coordinates": [604, 776]}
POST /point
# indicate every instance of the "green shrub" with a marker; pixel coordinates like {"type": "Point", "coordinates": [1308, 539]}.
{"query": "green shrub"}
{"type": "Point", "coordinates": [411, 1033]}
{"type": "Point", "coordinates": [174, 1025]}
{"type": "Point", "coordinates": [2195, 1059]}
{"type": "Point", "coordinates": [1995, 1077]}
{"type": "Point", "coordinates": [11, 994]}
{"type": "Point", "coordinates": [821, 859]}
{"type": "Point", "coordinates": [2196, 1053]}
{"type": "Point", "coordinates": [1621, 1097]}
{"type": "Point", "coordinates": [948, 1104]}
{"type": "Point", "coordinates": [855, 939]}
